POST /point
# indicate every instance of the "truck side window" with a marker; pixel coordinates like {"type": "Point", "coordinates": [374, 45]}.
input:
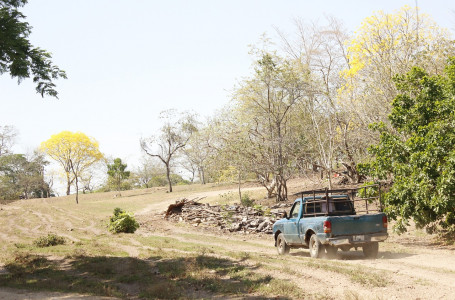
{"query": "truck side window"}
{"type": "Point", "coordinates": [295, 210]}
{"type": "Point", "coordinates": [310, 208]}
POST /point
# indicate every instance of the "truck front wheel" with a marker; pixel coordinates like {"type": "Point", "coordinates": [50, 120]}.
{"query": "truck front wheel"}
{"type": "Point", "coordinates": [371, 250]}
{"type": "Point", "coordinates": [315, 246]}
{"type": "Point", "coordinates": [281, 245]}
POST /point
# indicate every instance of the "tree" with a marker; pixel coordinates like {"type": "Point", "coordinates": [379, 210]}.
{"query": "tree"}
{"type": "Point", "coordinates": [417, 154]}
{"type": "Point", "coordinates": [148, 169]}
{"type": "Point", "coordinates": [117, 173]}
{"type": "Point", "coordinates": [266, 125]}
{"type": "Point", "coordinates": [22, 177]}
{"type": "Point", "coordinates": [19, 57]}
{"type": "Point", "coordinates": [386, 45]}
{"type": "Point", "coordinates": [75, 152]}
{"type": "Point", "coordinates": [174, 136]}
{"type": "Point", "coordinates": [198, 152]}
{"type": "Point", "coordinates": [7, 135]}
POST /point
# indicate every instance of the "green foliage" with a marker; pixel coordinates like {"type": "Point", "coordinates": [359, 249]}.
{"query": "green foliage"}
{"type": "Point", "coordinates": [418, 153]}
{"type": "Point", "coordinates": [161, 180]}
{"type": "Point", "coordinates": [264, 211]}
{"type": "Point", "coordinates": [22, 177]}
{"type": "Point", "coordinates": [227, 214]}
{"type": "Point", "coordinates": [117, 173]}
{"type": "Point", "coordinates": [49, 240]}
{"type": "Point", "coordinates": [122, 221]}
{"type": "Point", "coordinates": [370, 191]}
{"type": "Point", "coordinates": [246, 201]}
{"type": "Point", "coordinates": [21, 59]}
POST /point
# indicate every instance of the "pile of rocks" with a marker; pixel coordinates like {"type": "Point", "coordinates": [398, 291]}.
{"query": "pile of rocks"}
{"type": "Point", "coordinates": [231, 218]}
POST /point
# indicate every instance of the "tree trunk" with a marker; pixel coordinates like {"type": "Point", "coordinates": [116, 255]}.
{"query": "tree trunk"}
{"type": "Point", "coordinates": [240, 191]}
{"type": "Point", "coordinates": [77, 191]}
{"type": "Point", "coordinates": [202, 175]}
{"type": "Point", "coordinates": [68, 187]}
{"type": "Point", "coordinates": [168, 174]}
{"type": "Point", "coordinates": [281, 189]}
{"type": "Point", "coordinates": [119, 183]}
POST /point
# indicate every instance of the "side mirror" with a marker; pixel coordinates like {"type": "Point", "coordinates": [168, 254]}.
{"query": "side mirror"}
{"type": "Point", "coordinates": [285, 215]}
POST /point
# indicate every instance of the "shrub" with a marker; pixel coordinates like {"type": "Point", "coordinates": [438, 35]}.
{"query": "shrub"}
{"type": "Point", "coordinates": [49, 240]}
{"type": "Point", "coordinates": [368, 192]}
{"type": "Point", "coordinates": [246, 201]}
{"type": "Point", "coordinates": [122, 221]}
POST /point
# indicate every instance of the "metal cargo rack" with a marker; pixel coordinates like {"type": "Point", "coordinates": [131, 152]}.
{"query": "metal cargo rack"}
{"type": "Point", "coordinates": [325, 196]}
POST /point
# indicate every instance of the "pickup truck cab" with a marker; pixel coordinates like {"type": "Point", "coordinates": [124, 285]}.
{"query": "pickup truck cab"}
{"type": "Point", "coordinates": [325, 223]}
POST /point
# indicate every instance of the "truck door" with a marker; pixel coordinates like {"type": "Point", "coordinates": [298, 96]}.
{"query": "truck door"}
{"type": "Point", "coordinates": [291, 232]}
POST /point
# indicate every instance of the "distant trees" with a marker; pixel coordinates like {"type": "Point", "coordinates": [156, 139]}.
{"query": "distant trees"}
{"type": "Point", "coordinates": [75, 152]}
{"type": "Point", "coordinates": [175, 133]}
{"type": "Point", "coordinates": [117, 173]}
{"type": "Point", "coordinates": [311, 105]}
{"type": "Point", "coordinates": [22, 177]}
{"type": "Point", "coordinates": [386, 45]}
{"type": "Point", "coordinates": [19, 57]}
{"type": "Point", "coordinates": [198, 151]}
{"type": "Point", "coordinates": [7, 135]}
{"type": "Point", "coordinates": [267, 125]}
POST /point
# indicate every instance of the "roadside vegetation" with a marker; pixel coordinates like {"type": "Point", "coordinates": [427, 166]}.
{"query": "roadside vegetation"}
{"type": "Point", "coordinates": [167, 260]}
{"type": "Point", "coordinates": [376, 106]}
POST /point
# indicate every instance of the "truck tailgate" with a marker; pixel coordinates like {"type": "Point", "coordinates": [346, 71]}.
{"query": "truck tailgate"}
{"type": "Point", "coordinates": [361, 224]}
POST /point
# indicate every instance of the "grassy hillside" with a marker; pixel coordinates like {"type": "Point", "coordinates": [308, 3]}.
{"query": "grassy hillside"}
{"type": "Point", "coordinates": [164, 260]}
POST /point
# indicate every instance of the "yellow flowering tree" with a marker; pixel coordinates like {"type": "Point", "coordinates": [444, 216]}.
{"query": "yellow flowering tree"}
{"type": "Point", "coordinates": [75, 152]}
{"type": "Point", "coordinates": [387, 44]}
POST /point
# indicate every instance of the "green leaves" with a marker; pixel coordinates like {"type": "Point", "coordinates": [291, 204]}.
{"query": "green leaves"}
{"type": "Point", "coordinates": [122, 221]}
{"type": "Point", "coordinates": [418, 151]}
{"type": "Point", "coordinates": [117, 173]}
{"type": "Point", "coordinates": [21, 59]}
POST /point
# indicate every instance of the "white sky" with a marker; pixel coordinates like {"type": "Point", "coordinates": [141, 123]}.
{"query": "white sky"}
{"type": "Point", "coordinates": [128, 60]}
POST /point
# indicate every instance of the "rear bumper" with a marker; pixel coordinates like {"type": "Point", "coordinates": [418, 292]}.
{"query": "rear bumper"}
{"type": "Point", "coordinates": [354, 240]}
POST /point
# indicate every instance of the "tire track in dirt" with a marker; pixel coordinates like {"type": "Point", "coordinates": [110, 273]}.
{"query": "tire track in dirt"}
{"type": "Point", "coordinates": [404, 275]}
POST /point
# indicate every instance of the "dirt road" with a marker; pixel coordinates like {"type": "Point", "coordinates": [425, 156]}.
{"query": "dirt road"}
{"type": "Point", "coordinates": [408, 267]}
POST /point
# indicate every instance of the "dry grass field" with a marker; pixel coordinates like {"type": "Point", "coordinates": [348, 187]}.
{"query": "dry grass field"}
{"type": "Point", "coordinates": [164, 260]}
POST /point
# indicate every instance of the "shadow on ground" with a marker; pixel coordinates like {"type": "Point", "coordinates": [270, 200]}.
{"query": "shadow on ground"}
{"type": "Point", "coordinates": [157, 277]}
{"type": "Point", "coordinates": [357, 255]}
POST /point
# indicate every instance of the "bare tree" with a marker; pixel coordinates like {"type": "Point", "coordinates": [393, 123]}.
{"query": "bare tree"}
{"type": "Point", "coordinates": [174, 136]}
{"type": "Point", "coordinates": [149, 168]}
{"type": "Point", "coordinates": [7, 136]}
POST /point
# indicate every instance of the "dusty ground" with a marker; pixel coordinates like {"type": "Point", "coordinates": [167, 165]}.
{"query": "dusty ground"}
{"type": "Point", "coordinates": [409, 266]}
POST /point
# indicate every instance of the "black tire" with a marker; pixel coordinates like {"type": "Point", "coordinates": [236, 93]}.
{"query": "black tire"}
{"type": "Point", "coordinates": [371, 250]}
{"type": "Point", "coordinates": [315, 246]}
{"type": "Point", "coordinates": [281, 245]}
{"type": "Point", "coordinates": [331, 251]}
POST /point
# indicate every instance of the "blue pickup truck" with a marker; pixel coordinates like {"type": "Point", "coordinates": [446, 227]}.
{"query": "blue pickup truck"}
{"type": "Point", "coordinates": [325, 222]}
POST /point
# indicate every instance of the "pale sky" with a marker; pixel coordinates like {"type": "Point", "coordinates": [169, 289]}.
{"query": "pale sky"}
{"type": "Point", "coordinates": [128, 60]}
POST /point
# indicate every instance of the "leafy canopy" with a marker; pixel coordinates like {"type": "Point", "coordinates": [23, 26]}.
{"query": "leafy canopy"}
{"type": "Point", "coordinates": [19, 57]}
{"type": "Point", "coordinates": [418, 152]}
{"type": "Point", "coordinates": [117, 173]}
{"type": "Point", "coordinates": [122, 221]}
{"type": "Point", "coordinates": [75, 152]}
{"type": "Point", "coordinates": [72, 148]}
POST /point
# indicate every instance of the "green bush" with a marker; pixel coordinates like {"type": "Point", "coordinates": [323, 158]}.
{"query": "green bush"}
{"type": "Point", "coordinates": [246, 201]}
{"type": "Point", "coordinates": [122, 221]}
{"type": "Point", "coordinates": [49, 240]}
{"type": "Point", "coordinates": [370, 191]}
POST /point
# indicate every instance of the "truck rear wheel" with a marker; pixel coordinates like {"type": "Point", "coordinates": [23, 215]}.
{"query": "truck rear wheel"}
{"type": "Point", "coordinates": [371, 250]}
{"type": "Point", "coordinates": [281, 245]}
{"type": "Point", "coordinates": [315, 246]}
